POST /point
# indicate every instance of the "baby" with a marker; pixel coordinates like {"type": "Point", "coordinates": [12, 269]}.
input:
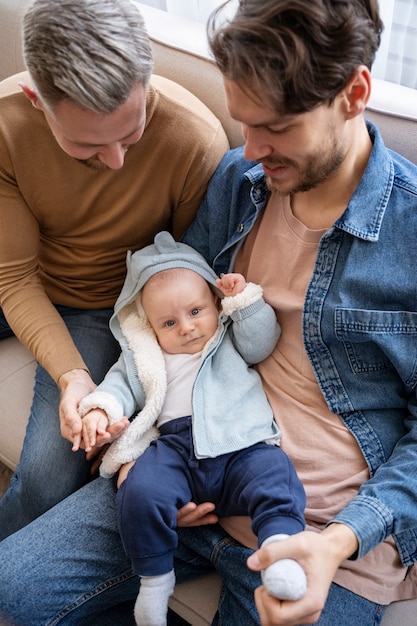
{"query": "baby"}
{"type": "Point", "coordinates": [205, 430]}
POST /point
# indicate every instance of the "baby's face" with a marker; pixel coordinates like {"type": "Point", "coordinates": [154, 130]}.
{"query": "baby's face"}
{"type": "Point", "coordinates": [181, 309]}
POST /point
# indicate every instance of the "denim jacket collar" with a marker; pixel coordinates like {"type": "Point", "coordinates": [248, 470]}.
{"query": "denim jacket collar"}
{"type": "Point", "coordinates": [365, 211]}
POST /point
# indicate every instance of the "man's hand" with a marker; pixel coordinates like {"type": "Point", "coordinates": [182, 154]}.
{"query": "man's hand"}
{"type": "Point", "coordinates": [196, 515]}
{"type": "Point", "coordinates": [320, 555]}
{"type": "Point", "coordinates": [102, 443]}
{"type": "Point", "coordinates": [74, 386]}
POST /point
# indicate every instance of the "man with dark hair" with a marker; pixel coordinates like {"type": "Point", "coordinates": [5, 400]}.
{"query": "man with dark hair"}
{"type": "Point", "coordinates": [319, 216]}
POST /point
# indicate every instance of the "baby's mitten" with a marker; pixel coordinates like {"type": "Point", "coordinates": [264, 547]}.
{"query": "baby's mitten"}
{"type": "Point", "coordinates": [284, 579]}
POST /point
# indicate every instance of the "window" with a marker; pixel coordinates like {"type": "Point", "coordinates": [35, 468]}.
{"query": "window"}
{"type": "Point", "coordinates": [397, 56]}
{"type": "Point", "coordinates": [396, 59]}
{"type": "Point", "coordinates": [197, 10]}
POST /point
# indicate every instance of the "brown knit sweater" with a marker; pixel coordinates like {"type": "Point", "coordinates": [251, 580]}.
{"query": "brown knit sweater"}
{"type": "Point", "coordinates": [65, 229]}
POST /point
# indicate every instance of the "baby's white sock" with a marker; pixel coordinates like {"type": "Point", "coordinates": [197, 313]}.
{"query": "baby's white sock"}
{"type": "Point", "coordinates": [151, 605]}
{"type": "Point", "coordinates": [284, 579]}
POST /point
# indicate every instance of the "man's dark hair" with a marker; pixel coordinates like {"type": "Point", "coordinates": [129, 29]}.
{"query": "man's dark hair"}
{"type": "Point", "coordinates": [295, 54]}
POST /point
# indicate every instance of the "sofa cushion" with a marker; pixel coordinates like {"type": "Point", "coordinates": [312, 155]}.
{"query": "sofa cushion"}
{"type": "Point", "coordinates": [196, 600]}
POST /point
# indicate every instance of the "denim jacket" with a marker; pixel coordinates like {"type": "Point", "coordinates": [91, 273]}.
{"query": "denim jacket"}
{"type": "Point", "coordinates": [359, 323]}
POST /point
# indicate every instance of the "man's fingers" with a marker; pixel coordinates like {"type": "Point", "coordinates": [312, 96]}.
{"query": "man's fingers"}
{"type": "Point", "coordinates": [193, 515]}
{"type": "Point", "coordinates": [267, 555]}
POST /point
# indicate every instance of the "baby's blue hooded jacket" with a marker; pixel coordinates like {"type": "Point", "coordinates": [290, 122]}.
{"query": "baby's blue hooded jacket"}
{"type": "Point", "coordinates": [229, 407]}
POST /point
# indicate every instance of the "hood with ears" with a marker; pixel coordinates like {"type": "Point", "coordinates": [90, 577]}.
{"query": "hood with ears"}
{"type": "Point", "coordinates": [164, 254]}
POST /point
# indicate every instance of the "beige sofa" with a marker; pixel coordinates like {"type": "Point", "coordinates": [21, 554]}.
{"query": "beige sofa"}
{"type": "Point", "coordinates": [180, 54]}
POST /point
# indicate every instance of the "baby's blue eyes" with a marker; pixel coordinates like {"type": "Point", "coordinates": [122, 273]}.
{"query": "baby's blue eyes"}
{"type": "Point", "coordinates": [171, 323]}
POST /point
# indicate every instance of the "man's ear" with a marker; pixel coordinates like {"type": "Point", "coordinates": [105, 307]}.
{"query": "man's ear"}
{"type": "Point", "coordinates": [357, 92]}
{"type": "Point", "coordinates": [31, 95]}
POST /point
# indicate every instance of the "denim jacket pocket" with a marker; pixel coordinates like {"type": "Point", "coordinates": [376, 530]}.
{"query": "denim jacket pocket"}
{"type": "Point", "coordinates": [379, 340]}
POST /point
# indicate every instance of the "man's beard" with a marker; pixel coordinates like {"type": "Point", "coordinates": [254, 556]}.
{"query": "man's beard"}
{"type": "Point", "coordinates": [316, 170]}
{"type": "Point", "coordinates": [93, 163]}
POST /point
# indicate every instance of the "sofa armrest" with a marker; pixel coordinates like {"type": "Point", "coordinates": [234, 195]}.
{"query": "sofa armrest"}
{"type": "Point", "coordinates": [17, 370]}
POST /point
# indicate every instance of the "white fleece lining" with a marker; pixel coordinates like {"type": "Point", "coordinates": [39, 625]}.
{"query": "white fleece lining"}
{"type": "Point", "coordinates": [248, 296]}
{"type": "Point", "coordinates": [150, 365]}
{"type": "Point", "coordinates": [102, 400]}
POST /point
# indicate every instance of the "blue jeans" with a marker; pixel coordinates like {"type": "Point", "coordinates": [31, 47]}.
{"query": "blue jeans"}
{"type": "Point", "coordinates": [68, 567]}
{"type": "Point", "coordinates": [48, 470]}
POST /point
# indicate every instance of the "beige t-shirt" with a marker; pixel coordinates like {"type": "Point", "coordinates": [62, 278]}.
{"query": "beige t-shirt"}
{"type": "Point", "coordinates": [280, 254]}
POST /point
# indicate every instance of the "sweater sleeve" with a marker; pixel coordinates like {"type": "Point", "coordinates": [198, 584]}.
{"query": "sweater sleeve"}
{"type": "Point", "coordinates": [29, 311]}
{"type": "Point", "coordinates": [255, 329]}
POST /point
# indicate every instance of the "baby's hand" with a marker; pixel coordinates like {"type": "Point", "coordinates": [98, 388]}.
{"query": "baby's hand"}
{"type": "Point", "coordinates": [95, 424]}
{"type": "Point", "coordinates": [231, 284]}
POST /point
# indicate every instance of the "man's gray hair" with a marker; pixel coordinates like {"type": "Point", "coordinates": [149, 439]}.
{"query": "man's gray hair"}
{"type": "Point", "coordinates": [92, 52]}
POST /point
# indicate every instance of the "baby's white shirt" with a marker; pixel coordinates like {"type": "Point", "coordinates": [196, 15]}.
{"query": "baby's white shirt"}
{"type": "Point", "coordinates": [181, 373]}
